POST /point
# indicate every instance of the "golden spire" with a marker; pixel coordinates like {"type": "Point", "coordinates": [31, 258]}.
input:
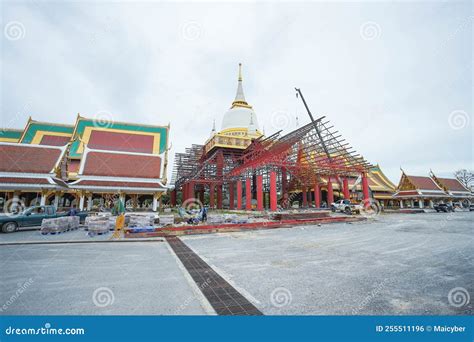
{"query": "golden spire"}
{"type": "Point", "coordinates": [239, 97]}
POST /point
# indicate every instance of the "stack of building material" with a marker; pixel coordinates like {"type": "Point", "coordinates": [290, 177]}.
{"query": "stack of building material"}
{"type": "Point", "coordinates": [141, 229]}
{"type": "Point", "coordinates": [97, 224]}
{"type": "Point", "coordinates": [296, 215]}
{"type": "Point", "coordinates": [141, 220]}
{"type": "Point", "coordinates": [228, 218]}
{"type": "Point", "coordinates": [59, 224]}
{"type": "Point", "coordinates": [215, 219]}
{"type": "Point", "coordinates": [240, 219]}
{"type": "Point", "coordinates": [166, 220]}
{"type": "Point", "coordinates": [111, 222]}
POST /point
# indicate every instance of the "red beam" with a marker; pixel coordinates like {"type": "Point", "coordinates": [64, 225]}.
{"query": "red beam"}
{"type": "Point", "coordinates": [211, 196]}
{"type": "Point", "coordinates": [365, 187]}
{"type": "Point", "coordinates": [248, 194]}
{"type": "Point", "coordinates": [305, 197]}
{"type": "Point", "coordinates": [317, 195]}
{"type": "Point", "coordinates": [239, 195]}
{"type": "Point", "coordinates": [231, 196]}
{"type": "Point", "coordinates": [345, 186]}
{"type": "Point", "coordinates": [330, 192]}
{"type": "Point", "coordinates": [273, 191]}
{"type": "Point", "coordinates": [260, 192]}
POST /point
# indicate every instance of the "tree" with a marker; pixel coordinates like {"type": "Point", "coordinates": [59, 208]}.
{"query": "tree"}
{"type": "Point", "coordinates": [466, 177]}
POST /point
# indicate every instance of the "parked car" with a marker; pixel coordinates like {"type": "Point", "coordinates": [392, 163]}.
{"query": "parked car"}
{"type": "Point", "coordinates": [32, 216]}
{"type": "Point", "coordinates": [345, 206]}
{"type": "Point", "coordinates": [446, 208]}
{"type": "Point", "coordinates": [471, 207]}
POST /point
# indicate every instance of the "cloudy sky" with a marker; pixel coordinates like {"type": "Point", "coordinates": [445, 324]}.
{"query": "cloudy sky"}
{"type": "Point", "coordinates": [395, 78]}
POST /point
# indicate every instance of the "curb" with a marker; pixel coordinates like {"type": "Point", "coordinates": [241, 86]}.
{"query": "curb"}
{"type": "Point", "coordinates": [78, 242]}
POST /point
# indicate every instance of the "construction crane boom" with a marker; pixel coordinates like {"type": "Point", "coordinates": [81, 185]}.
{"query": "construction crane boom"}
{"type": "Point", "coordinates": [314, 123]}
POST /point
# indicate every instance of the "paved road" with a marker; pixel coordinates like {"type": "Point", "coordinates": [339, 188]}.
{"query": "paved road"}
{"type": "Point", "coordinates": [396, 264]}
{"type": "Point", "coordinates": [34, 234]}
{"type": "Point", "coordinates": [142, 278]}
{"type": "Point", "coordinates": [393, 264]}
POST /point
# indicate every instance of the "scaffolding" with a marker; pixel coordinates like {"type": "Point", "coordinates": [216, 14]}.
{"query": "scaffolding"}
{"type": "Point", "coordinates": [309, 155]}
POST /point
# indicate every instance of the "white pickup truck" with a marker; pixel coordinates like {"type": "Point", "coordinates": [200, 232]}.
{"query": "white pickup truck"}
{"type": "Point", "coordinates": [345, 206]}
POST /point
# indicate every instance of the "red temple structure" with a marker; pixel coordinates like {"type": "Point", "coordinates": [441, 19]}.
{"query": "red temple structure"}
{"type": "Point", "coordinates": [242, 169]}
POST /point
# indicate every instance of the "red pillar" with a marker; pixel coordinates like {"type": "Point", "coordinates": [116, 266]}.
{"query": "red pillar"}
{"type": "Point", "coordinates": [365, 186]}
{"type": "Point", "coordinates": [201, 196]}
{"type": "Point", "coordinates": [273, 191]}
{"type": "Point", "coordinates": [317, 195]}
{"type": "Point", "coordinates": [330, 192]}
{"type": "Point", "coordinates": [345, 186]}
{"type": "Point", "coordinates": [239, 195]}
{"type": "Point", "coordinates": [173, 198]}
{"type": "Point", "coordinates": [304, 194]}
{"type": "Point", "coordinates": [219, 196]}
{"type": "Point", "coordinates": [284, 187]}
{"type": "Point", "coordinates": [231, 196]}
{"type": "Point", "coordinates": [184, 192]}
{"type": "Point", "coordinates": [191, 193]}
{"type": "Point", "coordinates": [219, 169]}
{"type": "Point", "coordinates": [260, 192]}
{"type": "Point", "coordinates": [248, 194]}
{"type": "Point", "coordinates": [211, 195]}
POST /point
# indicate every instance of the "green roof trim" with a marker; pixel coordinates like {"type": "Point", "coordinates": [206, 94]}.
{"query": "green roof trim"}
{"type": "Point", "coordinates": [34, 127]}
{"type": "Point", "coordinates": [10, 134]}
{"type": "Point", "coordinates": [83, 123]}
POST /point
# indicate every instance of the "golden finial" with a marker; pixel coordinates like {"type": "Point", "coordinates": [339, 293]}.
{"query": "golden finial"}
{"type": "Point", "coordinates": [240, 71]}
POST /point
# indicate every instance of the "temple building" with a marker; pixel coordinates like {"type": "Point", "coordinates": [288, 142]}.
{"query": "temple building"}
{"type": "Point", "coordinates": [238, 167]}
{"type": "Point", "coordinates": [425, 191]}
{"type": "Point", "coordinates": [88, 164]}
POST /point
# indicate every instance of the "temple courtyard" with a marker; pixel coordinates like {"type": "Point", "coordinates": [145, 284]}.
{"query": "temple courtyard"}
{"type": "Point", "coordinates": [391, 264]}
